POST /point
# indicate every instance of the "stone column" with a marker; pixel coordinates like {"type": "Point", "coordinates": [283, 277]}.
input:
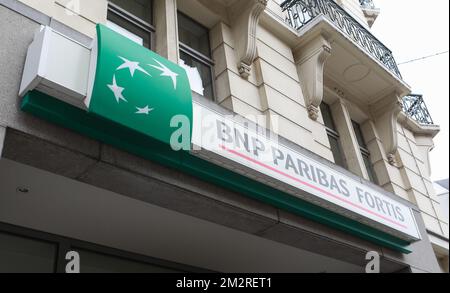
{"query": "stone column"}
{"type": "Point", "coordinates": [166, 24]}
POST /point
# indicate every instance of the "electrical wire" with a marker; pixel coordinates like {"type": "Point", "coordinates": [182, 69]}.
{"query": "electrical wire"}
{"type": "Point", "coordinates": [423, 58]}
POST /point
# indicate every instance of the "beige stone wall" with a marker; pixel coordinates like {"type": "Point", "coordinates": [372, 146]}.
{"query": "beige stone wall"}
{"type": "Point", "coordinates": [82, 15]}
{"type": "Point", "coordinates": [410, 178]}
{"type": "Point", "coordinates": [272, 95]}
{"type": "Point", "coordinates": [415, 170]}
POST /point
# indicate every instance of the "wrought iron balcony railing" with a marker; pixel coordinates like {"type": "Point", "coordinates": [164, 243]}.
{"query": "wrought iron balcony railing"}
{"type": "Point", "coordinates": [301, 12]}
{"type": "Point", "coordinates": [414, 106]}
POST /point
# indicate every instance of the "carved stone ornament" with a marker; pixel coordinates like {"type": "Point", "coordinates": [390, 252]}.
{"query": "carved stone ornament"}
{"type": "Point", "coordinates": [310, 66]}
{"type": "Point", "coordinates": [386, 113]}
{"type": "Point", "coordinates": [245, 15]}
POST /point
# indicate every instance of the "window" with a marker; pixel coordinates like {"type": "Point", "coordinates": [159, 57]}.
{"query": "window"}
{"type": "Point", "coordinates": [365, 152]}
{"type": "Point", "coordinates": [95, 262]}
{"type": "Point", "coordinates": [195, 55]}
{"type": "Point", "coordinates": [26, 255]}
{"type": "Point", "coordinates": [133, 19]}
{"type": "Point", "coordinates": [333, 135]}
{"type": "Point", "coordinates": [27, 251]}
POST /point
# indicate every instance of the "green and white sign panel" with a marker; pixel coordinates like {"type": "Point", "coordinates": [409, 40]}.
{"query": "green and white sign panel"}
{"type": "Point", "coordinates": [136, 87]}
{"type": "Point", "coordinates": [267, 160]}
{"type": "Point", "coordinates": [126, 95]}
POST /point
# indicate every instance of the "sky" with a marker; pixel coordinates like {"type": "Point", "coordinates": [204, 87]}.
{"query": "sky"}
{"type": "Point", "coordinates": [413, 29]}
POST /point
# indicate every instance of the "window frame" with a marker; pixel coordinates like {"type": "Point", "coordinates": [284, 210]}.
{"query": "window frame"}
{"type": "Point", "coordinates": [334, 134]}
{"type": "Point", "coordinates": [10, 230]}
{"type": "Point", "coordinates": [198, 56]}
{"type": "Point", "coordinates": [365, 153]}
{"type": "Point", "coordinates": [66, 244]}
{"type": "Point", "coordinates": [134, 20]}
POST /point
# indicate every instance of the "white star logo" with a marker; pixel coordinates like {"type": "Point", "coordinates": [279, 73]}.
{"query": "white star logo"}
{"type": "Point", "coordinates": [117, 90]}
{"type": "Point", "coordinates": [132, 66]}
{"type": "Point", "coordinates": [166, 72]}
{"type": "Point", "coordinates": [146, 110]}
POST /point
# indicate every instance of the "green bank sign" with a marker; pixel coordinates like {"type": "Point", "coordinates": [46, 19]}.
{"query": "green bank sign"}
{"type": "Point", "coordinates": [137, 88]}
{"type": "Point", "coordinates": [125, 95]}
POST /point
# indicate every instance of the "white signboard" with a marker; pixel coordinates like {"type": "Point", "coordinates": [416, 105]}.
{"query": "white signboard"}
{"type": "Point", "coordinates": [232, 144]}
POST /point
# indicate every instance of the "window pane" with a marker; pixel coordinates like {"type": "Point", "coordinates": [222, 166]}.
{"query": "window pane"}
{"type": "Point", "coordinates": [140, 8]}
{"type": "Point", "coordinates": [327, 116]}
{"type": "Point", "coordinates": [23, 255]}
{"type": "Point", "coordinates": [337, 152]}
{"type": "Point", "coordinates": [91, 262]}
{"type": "Point", "coordinates": [370, 170]}
{"type": "Point", "coordinates": [129, 30]}
{"type": "Point", "coordinates": [200, 75]}
{"type": "Point", "coordinates": [333, 136]}
{"type": "Point", "coordinates": [193, 35]}
{"type": "Point", "coordinates": [359, 135]}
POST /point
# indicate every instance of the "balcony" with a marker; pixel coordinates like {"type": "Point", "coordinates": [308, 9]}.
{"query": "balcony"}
{"type": "Point", "coordinates": [301, 12]}
{"type": "Point", "coordinates": [414, 106]}
{"type": "Point", "coordinates": [367, 4]}
{"type": "Point", "coordinates": [337, 57]}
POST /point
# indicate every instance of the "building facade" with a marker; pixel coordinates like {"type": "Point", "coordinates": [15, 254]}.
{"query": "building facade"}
{"type": "Point", "coordinates": [348, 173]}
{"type": "Point", "coordinates": [442, 193]}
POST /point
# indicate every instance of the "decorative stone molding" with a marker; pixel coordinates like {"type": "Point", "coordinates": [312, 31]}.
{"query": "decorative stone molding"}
{"type": "Point", "coordinates": [310, 60]}
{"type": "Point", "coordinates": [244, 69]}
{"type": "Point", "coordinates": [313, 112]}
{"type": "Point", "coordinates": [386, 113]}
{"type": "Point", "coordinates": [425, 145]}
{"type": "Point", "coordinates": [416, 128]}
{"type": "Point", "coordinates": [371, 15]}
{"type": "Point", "coordinates": [245, 16]}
